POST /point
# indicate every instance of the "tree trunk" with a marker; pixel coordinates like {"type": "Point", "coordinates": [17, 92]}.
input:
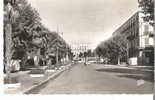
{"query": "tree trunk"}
{"type": "Point", "coordinates": [99, 58]}
{"type": "Point", "coordinates": [37, 58]}
{"type": "Point", "coordinates": [118, 60]}
{"type": "Point", "coordinates": [85, 59]}
{"type": "Point", "coordinates": [67, 57]}
{"type": "Point", "coordinates": [8, 46]}
{"type": "Point", "coordinates": [57, 55]}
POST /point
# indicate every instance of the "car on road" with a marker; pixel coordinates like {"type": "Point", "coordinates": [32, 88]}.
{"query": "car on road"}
{"type": "Point", "coordinates": [88, 63]}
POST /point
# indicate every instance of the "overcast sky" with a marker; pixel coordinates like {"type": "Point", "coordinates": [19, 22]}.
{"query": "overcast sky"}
{"type": "Point", "coordinates": [85, 20]}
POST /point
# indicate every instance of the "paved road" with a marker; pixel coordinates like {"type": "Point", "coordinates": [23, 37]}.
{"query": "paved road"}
{"type": "Point", "coordinates": [98, 79]}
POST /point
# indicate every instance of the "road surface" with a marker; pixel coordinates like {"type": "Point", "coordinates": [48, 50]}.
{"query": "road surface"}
{"type": "Point", "coordinates": [98, 79]}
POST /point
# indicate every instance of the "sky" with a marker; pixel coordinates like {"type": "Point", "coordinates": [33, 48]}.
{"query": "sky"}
{"type": "Point", "coordinates": [85, 20]}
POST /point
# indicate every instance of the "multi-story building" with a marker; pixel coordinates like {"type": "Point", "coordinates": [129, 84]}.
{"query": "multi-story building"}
{"type": "Point", "coordinates": [139, 36]}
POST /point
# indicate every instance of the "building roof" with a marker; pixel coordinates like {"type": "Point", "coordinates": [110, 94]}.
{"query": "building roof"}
{"type": "Point", "coordinates": [130, 20]}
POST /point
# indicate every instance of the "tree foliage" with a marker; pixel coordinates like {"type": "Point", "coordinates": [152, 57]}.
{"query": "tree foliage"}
{"type": "Point", "coordinates": [113, 48]}
{"type": "Point", "coordinates": [148, 10]}
{"type": "Point", "coordinates": [28, 33]}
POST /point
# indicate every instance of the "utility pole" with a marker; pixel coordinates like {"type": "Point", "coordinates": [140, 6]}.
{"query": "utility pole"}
{"type": "Point", "coordinates": [127, 52]}
{"type": "Point", "coordinates": [57, 56]}
{"type": "Point", "coordinates": [57, 29]}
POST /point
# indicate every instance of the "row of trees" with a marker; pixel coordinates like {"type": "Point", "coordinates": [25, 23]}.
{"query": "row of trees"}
{"type": "Point", "coordinates": [114, 49]}
{"type": "Point", "coordinates": [24, 33]}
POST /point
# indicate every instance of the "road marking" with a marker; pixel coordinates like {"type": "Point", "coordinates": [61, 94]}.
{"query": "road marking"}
{"type": "Point", "coordinates": [140, 82]}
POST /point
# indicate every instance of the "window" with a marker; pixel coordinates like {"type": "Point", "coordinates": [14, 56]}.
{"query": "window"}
{"type": "Point", "coordinates": [146, 41]}
{"type": "Point", "coordinates": [146, 29]}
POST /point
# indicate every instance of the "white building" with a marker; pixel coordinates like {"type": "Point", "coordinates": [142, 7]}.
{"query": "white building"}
{"type": "Point", "coordinates": [79, 46]}
{"type": "Point", "coordinates": [139, 35]}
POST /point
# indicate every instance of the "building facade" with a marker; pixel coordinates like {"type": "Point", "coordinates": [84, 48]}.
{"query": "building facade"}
{"type": "Point", "coordinates": [139, 37]}
{"type": "Point", "coordinates": [79, 47]}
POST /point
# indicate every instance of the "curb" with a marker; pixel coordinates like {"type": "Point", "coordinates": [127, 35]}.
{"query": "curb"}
{"type": "Point", "coordinates": [54, 75]}
{"type": "Point", "coordinates": [129, 67]}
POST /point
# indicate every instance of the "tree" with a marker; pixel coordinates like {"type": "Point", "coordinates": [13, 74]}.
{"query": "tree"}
{"type": "Point", "coordinates": [57, 45]}
{"type": "Point", "coordinates": [24, 33]}
{"type": "Point", "coordinates": [10, 16]}
{"type": "Point", "coordinates": [98, 51]}
{"type": "Point", "coordinates": [148, 10]}
{"type": "Point", "coordinates": [18, 37]}
{"type": "Point", "coordinates": [80, 55]}
{"type": "Point", "coordinates": [121, 47]}
{"type": "Point", "coordinates": [112, 51]}
{"type": "Point", "coordinates": [89, 52]}
{"type": "Point", "coordinates": [115, 48]}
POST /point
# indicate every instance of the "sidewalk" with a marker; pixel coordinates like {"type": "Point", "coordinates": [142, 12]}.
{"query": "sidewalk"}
{"type": "Point", "coordinates": [148, 69]}
{"type": "Point", "coordinates": [134, 72]}
{"type": "Point", "coordinates": [142, 68]}
{"type": "Point", "coordinates": [27, 82]}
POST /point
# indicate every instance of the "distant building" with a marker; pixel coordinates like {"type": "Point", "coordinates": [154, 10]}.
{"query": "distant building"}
{"type": "Point", "coordinates": [139, 35]}
{"type": "Point", "coordinates": [78, 47]}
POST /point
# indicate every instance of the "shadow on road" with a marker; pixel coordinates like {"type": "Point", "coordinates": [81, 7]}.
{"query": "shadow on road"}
{"type": "Point", "coordinates": [130, 73]}
{"type": "Point", "coordinates": [139, 76]}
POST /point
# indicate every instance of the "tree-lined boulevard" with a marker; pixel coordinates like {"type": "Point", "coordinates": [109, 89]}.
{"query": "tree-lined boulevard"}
{"type": "Point", "coordinates": [38, 60]}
